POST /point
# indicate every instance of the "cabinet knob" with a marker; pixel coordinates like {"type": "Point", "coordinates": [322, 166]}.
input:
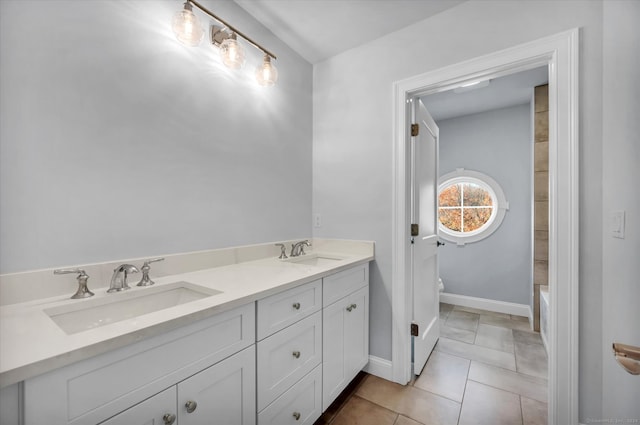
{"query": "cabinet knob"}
{"type": "Point", "coordinates": [296, 306]}
{"type": "Point", "coordinates": [351, 307]}
{"type": "Point", "coordinates": [191, 406]}
{"type": "Point", "coordinates": [169, 419]}
{"type": "Point", "coordinates": [296, 354]}
{"type": "Point", "coordinates": [296, 415]}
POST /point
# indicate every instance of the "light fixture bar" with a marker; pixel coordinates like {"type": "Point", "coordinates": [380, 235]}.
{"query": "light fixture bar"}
{"type": "Point", "coordinates": [231, 28]}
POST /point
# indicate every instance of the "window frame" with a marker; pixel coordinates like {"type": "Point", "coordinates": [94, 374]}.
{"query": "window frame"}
{"type": "Point", "coordinates": [499, 208]}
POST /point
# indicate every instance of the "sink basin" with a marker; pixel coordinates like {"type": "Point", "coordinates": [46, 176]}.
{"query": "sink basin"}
{"type": "Point", "coordinates": [125, 305]}
{"type": "Point", "coordinates": [314, 260]}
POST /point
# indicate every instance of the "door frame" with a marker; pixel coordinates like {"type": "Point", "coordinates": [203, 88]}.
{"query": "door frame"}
{"type": "Point", "coordinates": [560, 53]}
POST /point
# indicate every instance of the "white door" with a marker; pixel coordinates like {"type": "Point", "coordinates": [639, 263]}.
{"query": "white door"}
{"type": "Point", "coordinates": [424, 158]}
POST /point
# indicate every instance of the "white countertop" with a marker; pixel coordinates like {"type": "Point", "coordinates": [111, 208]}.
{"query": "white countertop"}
{"type": "Point", "coordinates": [32, 344]}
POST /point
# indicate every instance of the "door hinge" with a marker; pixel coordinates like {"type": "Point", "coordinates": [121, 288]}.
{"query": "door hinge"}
{"type": "Point", "coordinates": [414, 329]}
{"type": "Point", "coordinates": [415, 230]}
{"type": "Point", "coordinates": [415, 130]}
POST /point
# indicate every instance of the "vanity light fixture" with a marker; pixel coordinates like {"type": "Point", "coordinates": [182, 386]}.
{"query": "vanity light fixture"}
{"type": "Point", "coordinates": [266, 74]}
{"type": "Point", "coordinates": [188, 31]}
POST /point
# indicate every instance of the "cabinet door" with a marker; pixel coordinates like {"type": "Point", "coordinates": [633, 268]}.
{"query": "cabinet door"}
{"type": "Point", "coordinates": [345, 349]}
{"type": "Point", "coordinates": [157, 410]}
{"type": "Point", "coordinates": [224, 393]}
{"type": "Point", "coordinates": [357, 332]}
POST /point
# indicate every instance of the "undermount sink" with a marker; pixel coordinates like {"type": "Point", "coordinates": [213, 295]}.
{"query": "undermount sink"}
{"type": "Point", "coordinates": [90, 314]}
{"type": "Point", "coordinates": [314, 260]}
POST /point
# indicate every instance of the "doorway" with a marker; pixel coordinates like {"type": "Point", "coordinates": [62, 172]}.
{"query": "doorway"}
{"type": "Point", "coordinates": [560, 54]}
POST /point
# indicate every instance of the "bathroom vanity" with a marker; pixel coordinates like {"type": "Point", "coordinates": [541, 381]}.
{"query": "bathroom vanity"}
{"type": "Point", "coordinates": [274, 342]}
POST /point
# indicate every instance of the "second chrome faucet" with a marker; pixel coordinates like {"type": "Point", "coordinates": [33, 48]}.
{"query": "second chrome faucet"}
{"type": "Point", "coordinates": [121, 273]}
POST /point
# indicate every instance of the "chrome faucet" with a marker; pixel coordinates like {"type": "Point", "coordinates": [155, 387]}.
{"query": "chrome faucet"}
{"type": "Point", "coordinates": [297, 249]}
{"type": "Point", "coordinates": [283, 253]}
{"type": "Point", "coordinates": [119, 278]}
{"type": "Point", "coordinates": [83, 291]}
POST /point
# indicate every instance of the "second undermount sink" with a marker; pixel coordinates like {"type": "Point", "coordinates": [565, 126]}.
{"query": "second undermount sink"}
{"type": "Point", "coordinates": [315, 260]}
{"type": "Point", "coordinates": [90, 314]}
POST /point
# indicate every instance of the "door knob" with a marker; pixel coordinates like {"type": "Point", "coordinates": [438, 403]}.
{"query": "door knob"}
{"type": "Point", "coordinates": [296, 415]}
{"type": "Point", "coordinates": [440, 243]}
{"type": "Point", "coordinates": [628, 357]}
{"type": "Point", "coordinates": [296, 354]}
{"type": "Point", "coordinates": [296, 306]}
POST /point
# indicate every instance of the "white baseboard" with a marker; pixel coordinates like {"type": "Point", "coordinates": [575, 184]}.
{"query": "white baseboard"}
{"type": "Point", "coordinates": [486, 304]}
{"type": "Point", "coordinates": [381, 368]}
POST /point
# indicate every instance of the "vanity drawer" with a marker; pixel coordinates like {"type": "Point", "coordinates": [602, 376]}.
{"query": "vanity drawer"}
{"type": "Point", "coordinates": [281, 310]}
{"type": "Point", "coordinates": [343, 283]}
{"type": "Point", "coordinates": [299, 405]}
{"type": "Point", "coordinates": [287, 356]}
{"type": "Point", "coordinates": [95, 389]}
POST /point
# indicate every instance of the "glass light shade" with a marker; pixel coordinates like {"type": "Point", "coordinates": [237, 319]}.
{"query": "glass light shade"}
{"type": "Point", "coordinates": [186, 27]}
{"type": "Point", "coordinates": [266, 73]}
{"type": "Point", "coordinates": [232, 53]}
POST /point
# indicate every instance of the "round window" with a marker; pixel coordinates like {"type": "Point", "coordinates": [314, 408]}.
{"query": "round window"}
{"type": "Point", "coordinates": [471, 206]}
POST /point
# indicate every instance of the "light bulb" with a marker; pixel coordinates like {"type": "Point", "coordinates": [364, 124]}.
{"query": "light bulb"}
{"type": "Point", "coordinates": [232, 53]}
{"type": "Point", "coordinates": [266, 73]}
{"type": "Point", "coordinates": [186, 26]}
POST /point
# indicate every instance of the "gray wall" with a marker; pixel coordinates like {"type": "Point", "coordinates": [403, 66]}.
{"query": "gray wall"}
{"type": "Point", "coordinates": [621, 176]}
{"type": "Point", "coordinates": [353, 142]}
{"type": "Point", "coordinates": [497, 143]}
{"type": "Point", "coordinates": [116, 141]}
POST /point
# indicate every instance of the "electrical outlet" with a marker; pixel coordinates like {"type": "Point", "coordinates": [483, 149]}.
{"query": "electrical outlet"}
{"type": "Point", "coordinates": [317, 220]}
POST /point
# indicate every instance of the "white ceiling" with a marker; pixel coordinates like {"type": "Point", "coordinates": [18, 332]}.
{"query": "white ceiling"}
{"type": "Point", "coordinates": [510, 90]}
{"type": "Point", "coordinates": [320, 29]}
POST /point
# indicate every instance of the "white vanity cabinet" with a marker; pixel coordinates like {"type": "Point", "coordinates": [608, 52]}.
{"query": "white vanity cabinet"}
{"type": "Point", "coordinates": [289, 356]}
{"type": "Point", "coordinates": [345, 329]}
{"type": "Point", "coordinates": [224, 392]}
{"type": "Point", "coordinates": [197, 359]}
{"type": "Point", "coordinates": [157, 410]}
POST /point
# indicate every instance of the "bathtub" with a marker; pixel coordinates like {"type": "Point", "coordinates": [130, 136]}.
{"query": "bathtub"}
{"type": "Point", "coordinates": [544, 316]}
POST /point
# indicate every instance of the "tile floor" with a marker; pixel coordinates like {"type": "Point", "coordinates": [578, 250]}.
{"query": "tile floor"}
{"type": "Point", "coordinates": [487, 368]}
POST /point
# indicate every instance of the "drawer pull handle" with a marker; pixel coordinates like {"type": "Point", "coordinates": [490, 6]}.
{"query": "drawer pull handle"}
{"type": "Point", "coordinates": [296, 306]}
{"type": "Point", "coordinates": [296, 415]}
{"type": "Point", "coordinates": [169, 419]}
{"type": "Point", "coordinates": [296, 354]}
{"type": "Point", "coordinates": [351, 307]}
{"type": "Point", "coordinates": [191, 406]}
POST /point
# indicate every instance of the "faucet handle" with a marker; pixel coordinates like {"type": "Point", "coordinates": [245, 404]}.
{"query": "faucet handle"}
{"type": "Point", "coordinates": [146, 280]}
{"type": "Point", "coordinates": [80, 272]}
{"type": "Point", "coordinates": [283, 249]}
{"type": "Point", "coordinates": [83, 291]}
